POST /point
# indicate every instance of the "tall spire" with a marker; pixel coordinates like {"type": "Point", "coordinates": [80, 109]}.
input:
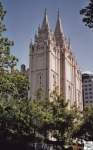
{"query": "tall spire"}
{"type": "Point", "coordinates": [45, 24]}
{"type": "Point", "coordinates": [58, 29]}
{"type": "Point", "coordinates": [59, 34]}
{"type": "Point", "coordinates": [58, 13]}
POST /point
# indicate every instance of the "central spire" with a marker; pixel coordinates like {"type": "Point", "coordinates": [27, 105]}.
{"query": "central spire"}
{"type": "Point", "coordinates": [45, 24]}
{"type": "Point", "coordinates": [59, 34]}
{"type": "Point", "coordinates": [58, 29]}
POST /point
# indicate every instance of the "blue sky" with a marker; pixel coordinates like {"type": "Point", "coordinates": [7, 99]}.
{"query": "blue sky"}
{"type": "Point", "coordinates": [24, 16]}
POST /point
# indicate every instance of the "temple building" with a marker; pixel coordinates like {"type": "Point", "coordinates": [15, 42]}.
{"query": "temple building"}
{"type": "Point", "coordinates": [52, 64]}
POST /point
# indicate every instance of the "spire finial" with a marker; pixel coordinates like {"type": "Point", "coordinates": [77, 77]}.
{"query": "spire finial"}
{"type": "Point", "coordinates": [45, 23]}
{"type": "Point", "coordinates": [58, 28]}
{"type": "Point", "coordinates": [45, 11]}
{"type": "Point", "coordinates": [59, 34]}
{"type": "Point", "coordinates": [58, 13]}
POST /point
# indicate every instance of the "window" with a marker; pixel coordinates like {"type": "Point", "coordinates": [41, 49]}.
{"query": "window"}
{"type": "Point", "coordinates": [40, 80]}
{"type": "Point", "coordinates": [86, 93]}
{"type": "Point", "coordinates": [90, 97]}
{"type": "Point", "coordinates": [54, 80]}
{"type": "Point", "coordinates": [90, 89]}
{"type": "Point", "coordinates": [89, 80]}
{"type": "Point", "coordinates": [69, 86]}
{"type": "Point", "coordinates": [86, 97]}
{"type": "Point", "coordinates": [86, 101]}
{"type": "Point", "coordinates": [90, 92]}
{"type": "Point", "coordinates": [86, 89]}
{"type": "Point", "coordinates": [32, 49]}
{"type": "Point", "coordinates": [85, 85]}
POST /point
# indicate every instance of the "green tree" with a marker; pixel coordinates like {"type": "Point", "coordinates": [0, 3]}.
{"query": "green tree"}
{"type": "Point", "coordinates": [7, 88]}
{"type": "Point", "coordinates": [14, 85]}
{"type": "Point", "coordinates": [87, 14]}
{"type": "Point", "coordinates": [15, 119]}
{"type": "Point", "coordinates": [85, 128]}
{"type": "Point", "coordinates": [20, 119]}
{"type": "Point", "coordinates": [53, 119]}
{"type": "Point", "coordinates": [21, 84]}
{"type": "Point", "coordinates": [7, 61]}
{"type": "Point", "coordinates": [63, 120]}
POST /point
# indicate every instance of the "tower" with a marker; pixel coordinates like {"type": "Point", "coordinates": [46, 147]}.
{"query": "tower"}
{"type": "Point", "coordinates": [60, 42]}
{"type": "Point", "coordinates": [52, 64]}
{"type": "Point", "coordinates": [44, 61]}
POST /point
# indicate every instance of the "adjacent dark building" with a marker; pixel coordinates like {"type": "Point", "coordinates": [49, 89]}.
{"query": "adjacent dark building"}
{"type": "Point", "coordinates": [87, 87]}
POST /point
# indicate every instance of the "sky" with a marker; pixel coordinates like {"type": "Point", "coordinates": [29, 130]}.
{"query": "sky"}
{"type": "Point", "coordinates": [24, 16]}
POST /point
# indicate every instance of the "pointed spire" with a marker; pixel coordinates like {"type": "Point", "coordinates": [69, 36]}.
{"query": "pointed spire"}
{"type": "Point", "coordinates": [59, 34]}
{"type": "Point", "coordinates": [58, 29]}
{"type": "Point", "coordinates": [45, 24]}
{"type": "Point", "coordinates": [58, 14]}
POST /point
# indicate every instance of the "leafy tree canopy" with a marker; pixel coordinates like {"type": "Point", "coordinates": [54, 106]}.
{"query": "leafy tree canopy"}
{"type": "Point", "coordinates": [14, 85]}
{"type": "Point", "coordinates": [85, 128]}
{"type": "Point", "coordinates": [7, 61]}
{"type": "Point", "coordinates": [87, 14]}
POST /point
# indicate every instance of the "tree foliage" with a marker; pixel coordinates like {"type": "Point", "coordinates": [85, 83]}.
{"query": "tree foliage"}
{"type": "Point", "coordinates": [7, 61]}
{"type": "Point", "coordinates": [87, 14]}
{"type": "Point", "coordinates": [43, 119]}
{"type": "Point", "coordinates": [52, 119]}
{"type": "Point", "coordinates": [14, 85]}
{"type": "Point", "coordinates": [85, 128]}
